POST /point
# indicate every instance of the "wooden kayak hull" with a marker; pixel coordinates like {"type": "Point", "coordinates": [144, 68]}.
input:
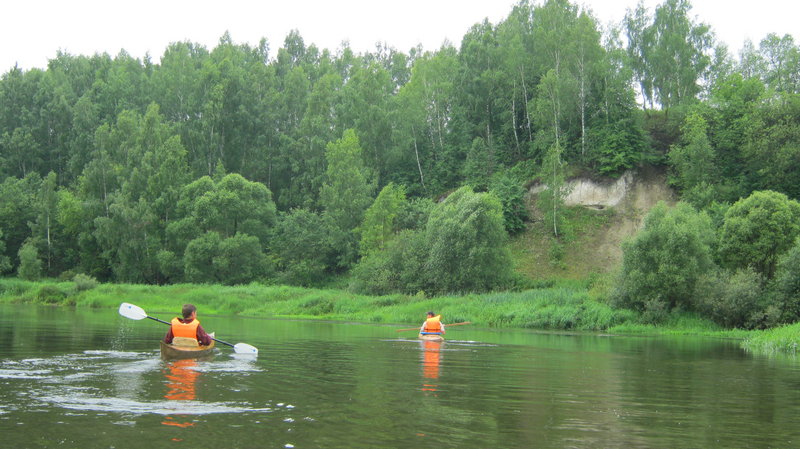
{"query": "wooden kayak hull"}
{"type": "Point", "coordinates": [169, 351]}
{"type": "Point", "coordinates": [431, 337]}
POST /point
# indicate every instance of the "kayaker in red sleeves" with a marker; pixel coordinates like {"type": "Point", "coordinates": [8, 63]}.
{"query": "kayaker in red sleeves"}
{"type": "Point", "coordinates": [187, 327]}
{"type": "Point", "coordinates": [432, 325]}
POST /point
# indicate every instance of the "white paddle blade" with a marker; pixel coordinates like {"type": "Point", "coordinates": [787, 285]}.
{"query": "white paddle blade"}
{"type": "Point", "coordinates": [131, 311]}
{"type": "Point", "coordinates": [244, 348]}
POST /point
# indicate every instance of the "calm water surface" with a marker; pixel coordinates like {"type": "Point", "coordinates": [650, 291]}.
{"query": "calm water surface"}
{"type": "Point", "coordinates": [92, 379]}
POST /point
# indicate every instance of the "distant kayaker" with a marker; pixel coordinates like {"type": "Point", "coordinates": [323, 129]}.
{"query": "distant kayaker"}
{"type": "Point", "coordinates": [432, 325]}
{"type": "Point", "coordinates": [188, 327]}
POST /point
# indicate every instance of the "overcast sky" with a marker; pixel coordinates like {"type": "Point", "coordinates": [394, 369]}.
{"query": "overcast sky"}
{"type": "Point", "coordinates": [34, 30]}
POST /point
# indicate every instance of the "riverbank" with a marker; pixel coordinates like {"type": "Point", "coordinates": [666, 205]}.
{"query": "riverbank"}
{"type": "Point", "coordinates": [557, 305]}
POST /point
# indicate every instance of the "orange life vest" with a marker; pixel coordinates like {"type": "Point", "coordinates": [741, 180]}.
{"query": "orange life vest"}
{"type": "Point", "coordinates": [186, 330]}
{"type": "Point", "coordinates": [433, 324]}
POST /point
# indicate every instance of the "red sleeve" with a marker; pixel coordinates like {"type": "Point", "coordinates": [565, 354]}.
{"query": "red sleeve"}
{"type": "Point", "coordinates": [202, 336]}
{"type": "Point", "coordinates": [169, 336]}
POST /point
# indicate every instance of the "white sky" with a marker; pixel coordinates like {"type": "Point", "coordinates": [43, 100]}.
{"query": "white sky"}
{"type": "Point", "coordinates": [32, 31]}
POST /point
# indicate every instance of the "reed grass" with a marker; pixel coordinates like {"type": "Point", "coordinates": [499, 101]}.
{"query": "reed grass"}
{"type": "Point", "coordinates": [564, 305]}
{"type": "Point", "coordinates": [779, 340]}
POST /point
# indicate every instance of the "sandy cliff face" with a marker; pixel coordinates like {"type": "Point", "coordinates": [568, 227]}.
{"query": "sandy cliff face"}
{"type": "Point", "coordinates": [630, 197]}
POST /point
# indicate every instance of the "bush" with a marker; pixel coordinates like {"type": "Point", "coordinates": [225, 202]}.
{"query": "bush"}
{"type": "Point", "coordinates": [786, 285]}
{"type": "Point", "coordinates": [66, 275]}
{"type": "Point", "coordinates": [733, 299]}
{"type": "Point", "coordinates": [467, 244]}
{"type": "Point", "coordinates": [665, 260]}
{"type": "Point", "coordinates": [84, 282]}
{"type": "Point", "coordinates": [30, 267]}
{"type": "Point", "coordinates": [303, 246]}
{"type": "Point", "coordinates": [512, 197]}
{"type": "Point", "coordinates": [50, 294]}
{"type": "Point", "coordinates": [398, 268]}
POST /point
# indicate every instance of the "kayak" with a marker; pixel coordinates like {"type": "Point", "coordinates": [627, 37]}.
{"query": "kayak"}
{"type": "Point", "coordinates": [171, 351]}
{"type": "Point", "coordinates": [431, 337]}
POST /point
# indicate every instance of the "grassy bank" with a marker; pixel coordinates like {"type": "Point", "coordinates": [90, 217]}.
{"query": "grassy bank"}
{"type": "Point", "coordinates": [780, 340]}
{"type": "Point", "coordinates": [562, 305]}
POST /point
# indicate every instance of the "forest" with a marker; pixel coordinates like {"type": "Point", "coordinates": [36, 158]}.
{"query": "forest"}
{"type": "Point", "coordinates": [406, 171]}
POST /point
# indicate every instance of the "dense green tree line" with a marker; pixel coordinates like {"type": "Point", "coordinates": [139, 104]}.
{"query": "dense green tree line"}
{"type": "Point", "coordinates": [243, 163]}
{"type": "Point", "coordinates": [742, 272]}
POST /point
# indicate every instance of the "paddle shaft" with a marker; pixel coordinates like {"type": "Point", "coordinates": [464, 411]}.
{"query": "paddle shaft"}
{"type": "Point", "coordinates": [446, 326]}
{"type": "Point", "coordinates": [215, 339]}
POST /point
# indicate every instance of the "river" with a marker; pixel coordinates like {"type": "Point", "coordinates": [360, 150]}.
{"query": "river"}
{"type": "Point", "coordinates": [93, 379]}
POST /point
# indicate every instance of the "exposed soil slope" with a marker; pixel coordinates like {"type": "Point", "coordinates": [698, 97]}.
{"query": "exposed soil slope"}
{"type": "Point", "coordinates": [604, 214]}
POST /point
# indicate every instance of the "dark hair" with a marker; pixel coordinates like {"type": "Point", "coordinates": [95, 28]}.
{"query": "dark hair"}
{"type": "Point", "coordinates": [431, 314]}
{"type": "Point", "coordinates": [187, 310]}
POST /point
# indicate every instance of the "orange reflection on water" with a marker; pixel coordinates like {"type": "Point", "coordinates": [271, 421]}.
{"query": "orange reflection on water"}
{"type": "Point", "coordinates": [181, 379]}
{"type": "Point", "coordinates": [431, 352]}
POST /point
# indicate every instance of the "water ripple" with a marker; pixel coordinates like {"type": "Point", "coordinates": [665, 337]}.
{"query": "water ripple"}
{"type": "Point", "coordinates": [120, 405]}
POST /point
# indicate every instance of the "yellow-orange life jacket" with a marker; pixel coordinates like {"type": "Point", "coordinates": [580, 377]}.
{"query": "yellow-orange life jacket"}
{"type": "Point", "coordinates": [433, 324]}
{"type": "Point", "coordinates": [186, 330]}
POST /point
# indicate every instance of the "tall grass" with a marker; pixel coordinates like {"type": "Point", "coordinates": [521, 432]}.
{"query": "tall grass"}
{"type": "Point", "coordinates": [564, 305]}
{"type": "Point", "coordinates": [785, 340]}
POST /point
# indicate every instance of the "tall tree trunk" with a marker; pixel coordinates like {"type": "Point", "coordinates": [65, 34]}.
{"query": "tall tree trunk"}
{"type": "Point", "coordinates": [527, 109]}
{"type": "Point", "coordinates": [49, 244]}
{"type": "Point", "coordinates": [514, 118]}
{"type": "Point", "coordinates": [583, 116]}
{"type": "Point", "coordinates": [416, 153]}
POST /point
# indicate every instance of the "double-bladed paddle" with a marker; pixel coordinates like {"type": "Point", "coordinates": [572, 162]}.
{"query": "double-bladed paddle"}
{"type": "Point", "coordinates": [446, 326]}
{"type": "Point", "coordinates": [135, 312]}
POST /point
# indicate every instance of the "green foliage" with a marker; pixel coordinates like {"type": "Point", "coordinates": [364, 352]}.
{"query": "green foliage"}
{"type": "Point", "coordinates": [564, 306]}
{"type": "Point", "coordinates": [512, 196]}
{"type": "Point", "coordinates": [479, 165]}
{"type": "Point", "coordinates": [123, 168]}
{"type": "Point", "coordinates": [304, 247]}
{"type": "Point", "coordinates": [414, 213]}
{"type": "Point", "coordinates": [733, 299]}
{"type": "Point", "coordinates": [619, 147]}
{"type": "Point", "coordinates": [786, 285]}
{"type": "Point", "coordinates": [170, 265]}
{"type": "Point", "coordinates": [467, 244]}
{"type": "Point", "coordinates": [50, 294]}
{"type": "Point", "coordinates": [346, 194]}
{"type": "Point", "coordinates": [198, 260]}
{"type": "Point", "coordinates": [669, 52]}
{"type": "Point", "coordinates": [663, 262]}
{"type": "Point", "coordinates": [349, 187]}
{"type": "Point", "coordinates": [234, 205]}
{"type": "Point", "coordinates": [462, 248]}
{"type": "Point", "coordinates": [770, 145]}
{"type": "Point", "coordinates": [785, 340]}
{"type": "Point", "coordinates": [240, 260]}
{"type": "Point", "coordinates": [551, 200]}
{"type": "Point", "coordinates": [379, 219]}
{"type": "Point", "coordinates": [84, 282]}
{"type": "Point", "coordinates": [5, 263]}
{"type": "Point", "coordinates": [692, 162]}
{"type": "Point", "coordinates": [757, 230]}
{"type": "Point", "coordinates": [17, 209]}
{"type": "Point", "coordinates": [399, 267]}
{"type": "Point", "coordinates": [30, 266]}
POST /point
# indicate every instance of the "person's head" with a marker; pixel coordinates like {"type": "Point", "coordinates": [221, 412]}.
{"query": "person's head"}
{"type": "Point", "coordinates": [431, 314]}
{"type": "Point", "coordinates": [188, 310]}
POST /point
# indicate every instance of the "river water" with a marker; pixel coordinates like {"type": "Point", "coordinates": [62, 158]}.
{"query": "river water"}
{"type": "Point", "coordinates": [92, 379]}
